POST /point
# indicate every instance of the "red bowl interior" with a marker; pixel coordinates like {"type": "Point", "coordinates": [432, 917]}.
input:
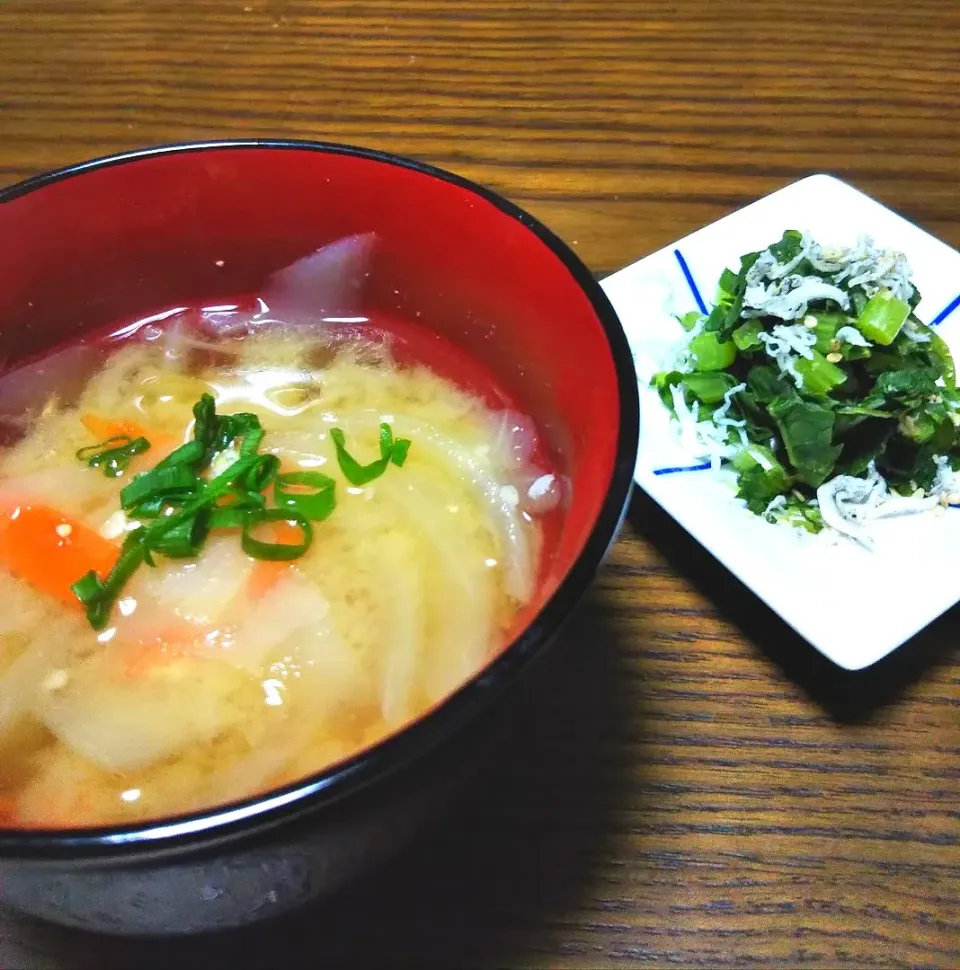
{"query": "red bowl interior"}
{"type": "Point", "coordinates": [119, 239]}
{"type": "Point", "coordinates": [118, 242]}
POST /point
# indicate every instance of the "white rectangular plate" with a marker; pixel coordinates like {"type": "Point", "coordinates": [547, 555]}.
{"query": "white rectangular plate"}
{"type": "Point", "coordinates": [855, 606]}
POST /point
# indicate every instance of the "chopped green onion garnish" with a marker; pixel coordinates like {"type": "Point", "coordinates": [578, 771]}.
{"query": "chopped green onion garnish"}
{"type": "Point", "coordinates": [88, 589]}
{"type": "Point", "coordinates": [251, 438]}
{"type": "Point", "coordinates": [310, 493]}
{"type": "Point", "coordinates": [181, 505]}
{"type": "Point", "coordinates": [113, 455]}
{"type": "Point", "coordinates": [189, 454]}
{"type": "Point", "coordinates": [398, 454]}
{"type": "Point", "coordinates": [238, 498]}
{"type": "Point", "coordinates": [159, 483]}
{"type": "Point", "coordinates": [230, 517]}
{"type": "Point", "coordinates": [390, 451]}
{"type": "Point", "coordinates": [205, 422]}
{"type": "Point", "coordinates": [275, 551]}
{"type": "Point", "coordinates": [151, 508]}
{"type": "Point", "coordinates": [217, 432]}
{"type": "Point", "coordinates": [261, 473]}
{"type": "Point", "coordinates": [185, 540]}
{"type": "Point", "coordinates": [395, 451]}
{"type": "Point", "coordinates": [98, 596]}
{"type": "Point", "coordinates": [386, 441]}
{"type": "Point", "coordinates": [91, 452]}
{"type": "Point", "coordinates": [208, 496]}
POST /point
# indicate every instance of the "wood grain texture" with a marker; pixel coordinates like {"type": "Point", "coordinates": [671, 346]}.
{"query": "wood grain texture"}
{"type": "Point", "coordinates": [692, 787]}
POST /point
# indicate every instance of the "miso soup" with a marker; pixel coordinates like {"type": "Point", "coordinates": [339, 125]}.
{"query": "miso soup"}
{"type": "Point", "coordinates": [230, 558]}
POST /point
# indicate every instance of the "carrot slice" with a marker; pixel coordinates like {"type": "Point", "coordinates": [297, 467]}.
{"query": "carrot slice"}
{"type": "Point", "coordinates": [50, 551]}
{"type": "Point", "coordinates": [104, 428]}
{"type": "Point", "coordinates": [264, 577]}
{"type": "Point", "coordinates": [139, 658]}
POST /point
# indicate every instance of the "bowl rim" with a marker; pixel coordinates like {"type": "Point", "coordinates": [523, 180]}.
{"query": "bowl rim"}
{"type": "Point", "coordinates": [411, 744]}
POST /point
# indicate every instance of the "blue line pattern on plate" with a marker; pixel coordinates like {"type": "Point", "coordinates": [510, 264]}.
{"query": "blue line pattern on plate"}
{"type": "Point", "coordinates": [946, 311]}
{"type": "Point", "coordinates": [682, 468]}
{"type": "Point", "coordinates": [688, 276]}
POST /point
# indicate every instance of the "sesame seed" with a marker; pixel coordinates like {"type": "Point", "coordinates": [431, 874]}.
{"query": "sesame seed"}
{"type": "Point", "coordinates": [834, 358]}
{"type": "Point", "coordinates": [63, 530]}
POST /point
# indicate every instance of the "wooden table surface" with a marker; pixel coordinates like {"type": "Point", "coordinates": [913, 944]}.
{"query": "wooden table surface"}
{"type": "Point", "coordinates": [694, 787]}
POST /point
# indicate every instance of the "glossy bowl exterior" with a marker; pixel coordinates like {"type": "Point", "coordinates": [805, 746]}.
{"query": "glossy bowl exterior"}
{"type": "Point", "coordinates": [121, 238]}
{"type": "Point", "coordinates": [218, 887]}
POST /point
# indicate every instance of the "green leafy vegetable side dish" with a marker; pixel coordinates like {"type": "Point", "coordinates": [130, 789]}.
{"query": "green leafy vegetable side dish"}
{"type": "Point", "coordinates": [812, 368]}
